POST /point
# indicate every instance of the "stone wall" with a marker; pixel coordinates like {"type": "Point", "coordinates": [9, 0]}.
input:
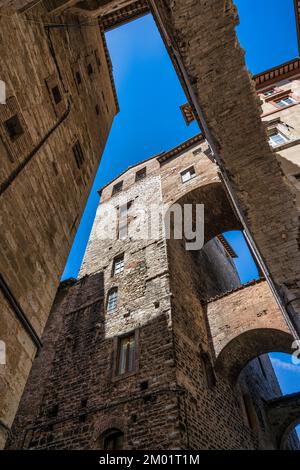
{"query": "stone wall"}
{"type": "Point", "coordinates": [245, 323]}
{"type": "Point", "coordinates": [175, 397]}
{"type": "Point", "coordinates": [59, 92]}
{"type": "Point", "coordinates": [226, 104]}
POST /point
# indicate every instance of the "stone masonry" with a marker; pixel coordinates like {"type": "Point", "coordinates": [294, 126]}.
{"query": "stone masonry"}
{"type": "Point", "coordinates": [60, 104]}
{"type": "Point", "coordinates": [53, 129]}
{"type": "Point", "coordinates": [183, 308]}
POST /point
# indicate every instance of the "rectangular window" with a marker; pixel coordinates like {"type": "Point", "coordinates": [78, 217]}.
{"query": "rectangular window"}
{"type": "Point", "coordinates": [118, 265]}
{"type": "Point", "coordinates": [78, 77]}
{"type": "Point", "coordinates": [269, 92]}
{"type": "Point", "coordinates": [13, 127]}
{"type": "Point", "coordinates": [90, 69]}
{"type": "Point", "coordinates": [188, 174]}
{"type": "Point", "coordinates": [112, 299]}
{"type": "Point", "coordinates": [126, 354]}
{"type": "Point", "coordinates": [117, 188]}
{"type": "Point", "coordinates": [141, 174]}
{"type": "Point", "coordinates": [56, 94]}
{"type": "Point", "coordinates": [277, 139]}
{"type": "Point", "coordinates": [78, 154]}
{"type": "Point", "coordinates": [285, 101]}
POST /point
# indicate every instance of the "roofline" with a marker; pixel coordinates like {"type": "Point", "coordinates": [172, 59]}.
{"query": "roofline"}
{"type": "Point", "coordinates": [181, 147]}
{"type": "Point", "coordinates": [174, 151]}
{"type": "Point", "coordinates": [110, 67]}
{"type": "Point", "coordinates": [280, 72]}
{"type": "Point", "coordinates": [99, 191]}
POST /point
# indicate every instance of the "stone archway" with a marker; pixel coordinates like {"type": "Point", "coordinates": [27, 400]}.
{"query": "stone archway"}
{"type": "Point", "coordinates": [219, 215]}
{"type": "Point", "coordinates": [248, 345]}
{"type": "Point", "coordinates": [283, 415]}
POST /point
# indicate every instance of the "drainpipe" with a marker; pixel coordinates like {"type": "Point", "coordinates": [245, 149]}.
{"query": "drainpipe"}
{"type": "Point", "coordinates": [288, 318]}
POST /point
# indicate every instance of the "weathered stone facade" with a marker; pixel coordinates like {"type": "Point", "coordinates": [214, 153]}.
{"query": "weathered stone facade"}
{"type": "Point", "coordinates": [60, 104]}
{"type": "Point", "coordinates": [279, 91]}
{"type": "Point", "coordinates": [53, 113]}
{"type": "Point", "coordinates": [185, 309]}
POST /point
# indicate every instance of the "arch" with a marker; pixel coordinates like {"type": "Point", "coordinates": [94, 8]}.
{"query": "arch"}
{"type": "Point", "coordinates": [219, 215]}
{"type": "Point", "coordinates": [283, 415]}
{"type": "Point", "coordinates": [111, 439]}
{"type": "Point", "coordinates": [283, 445]}
{"type": "Point", "coordinates": [248, 345]}
{"type": "Point", "coordinates": [112, 299]}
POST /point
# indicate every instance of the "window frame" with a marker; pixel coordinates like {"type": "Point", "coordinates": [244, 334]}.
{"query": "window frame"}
{"type": "Point", "coordinates": [121, 339]}
{"type": "Point", "coordinates": [141, 174]}
{"type": "Point", "coordinates": [115, 186]}
{"type": "Point", "coordinates": [108, 434]}
{"type": "Point", "coordinates": [276, 132]}
{"type": "Point", "coordinates": [17, 125]}
{"type": "Point", "coordinates": [113, 290]}
{"type": "Point", "coordinates": [78, 154]}
{"type": "Point", "coordinates": [118, 259]}
{"type": "Point", "coordinates": [269, 92]}
{"type": "Point", "coordinates": [116, 355]}
{"type": "Point", "coordinates": [186, 171]}
{"type": "Point", "coordinates": [282, 99]}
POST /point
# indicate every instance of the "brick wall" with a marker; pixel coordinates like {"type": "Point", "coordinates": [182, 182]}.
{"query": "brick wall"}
{"type": "Point", "coordinates": [175, 397]}
{"type": "Point", "coordinates": [43, 188]}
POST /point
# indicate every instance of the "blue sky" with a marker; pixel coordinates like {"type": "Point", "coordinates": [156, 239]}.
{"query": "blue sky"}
{"type": "Point", "coordinates": [150, 120]}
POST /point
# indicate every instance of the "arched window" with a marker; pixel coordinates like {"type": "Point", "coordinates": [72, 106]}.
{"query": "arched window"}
{"type": "Point", "coordinates": [112, 439]}
{"type": "Point", "coordinates": [112, 299]}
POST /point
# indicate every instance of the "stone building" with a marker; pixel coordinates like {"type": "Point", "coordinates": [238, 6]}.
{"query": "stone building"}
{"type": "Point", "coordinates": [156, 345]}
{"type": "Point", "coordinates": [60, 105]}
{"type": "Point", "coordinates": [279, 90]}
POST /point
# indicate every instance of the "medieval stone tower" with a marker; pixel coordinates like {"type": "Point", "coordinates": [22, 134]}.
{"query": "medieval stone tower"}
{"type": "Point", "coordinates": [157, 346]}
{"type": "Point", "coordinates": [144, 348]}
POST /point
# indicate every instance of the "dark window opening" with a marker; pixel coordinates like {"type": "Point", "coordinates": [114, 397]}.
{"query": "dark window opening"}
{"type": "Point", "coordinates": [113, 440]}
{"type": "Point", "coordinates": [56, 95]}
{"type": "Point", "coordinates": [84, 402]}
{"type": "Point", "coordinates": [97, 109]}
{"type": "Point", "coordinates": [53, 412]}
{"type": "Point", "coordinates": [90, 69]}
{"type": "Point", "coordinates": [144, 385]}
{"type": "Point", "coordinates": [78, 154]}
{"type": "Point", "coordinates": [78, 77]}
{"type": "Point", "coordinates": [117, 188]}
{"type": "Point", "coordinates": [13, 127]}
{"type": "Point", "coordinates": [297, 177]}
{"type": "Point", "coordinates": [126, 354]}
{"type": "Point", "coordinates": [141, 174]}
